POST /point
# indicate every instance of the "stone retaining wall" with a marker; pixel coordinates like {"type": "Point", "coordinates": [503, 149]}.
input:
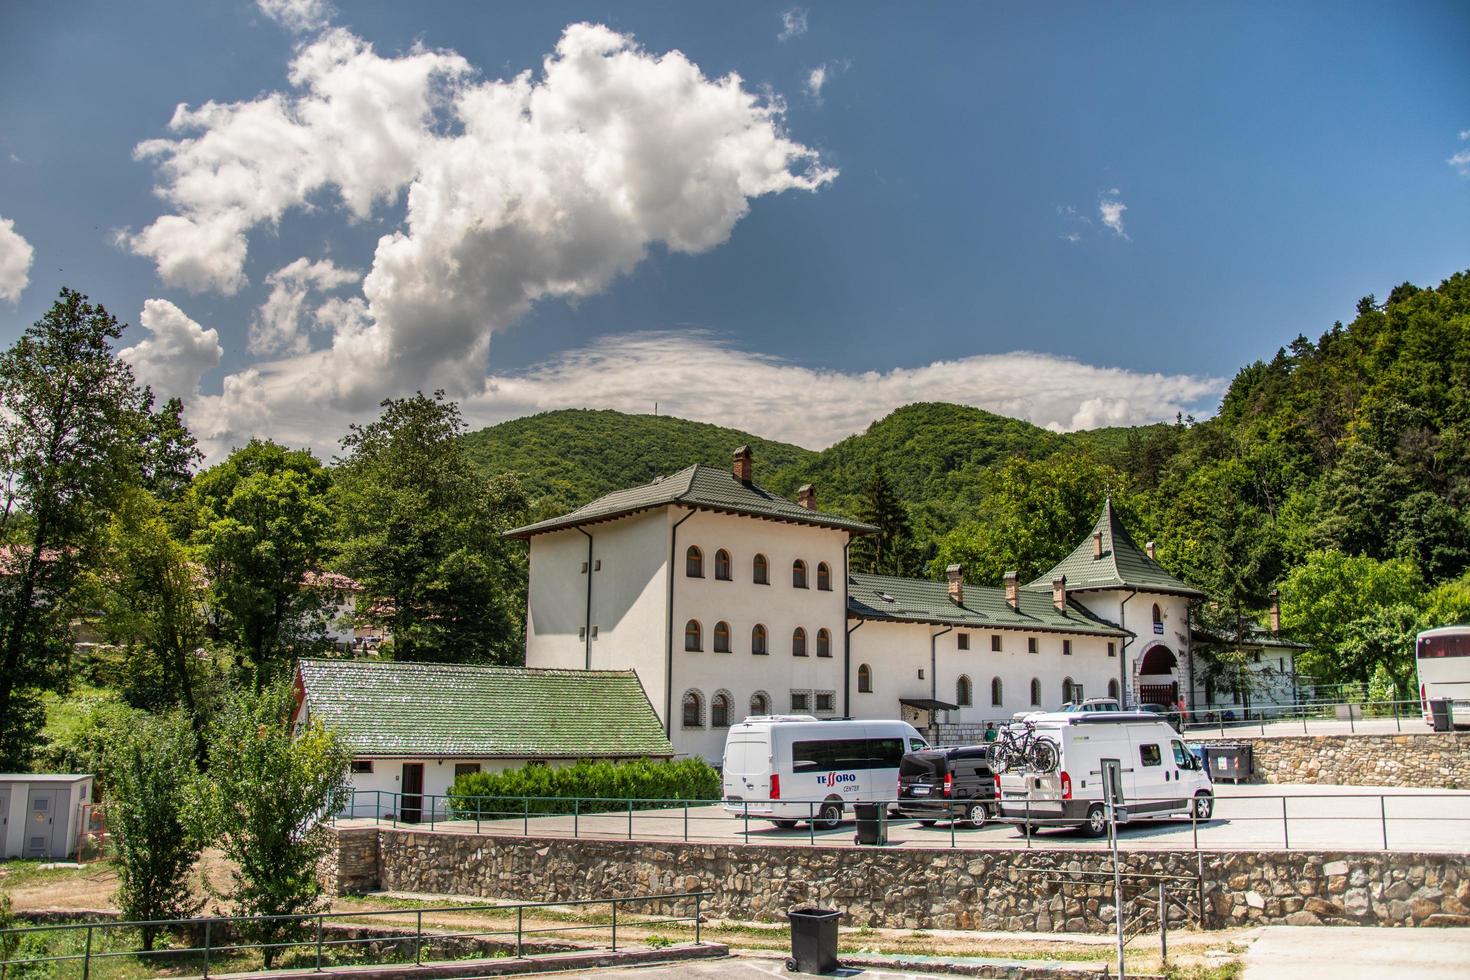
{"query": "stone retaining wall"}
{"type": "Point", "coordinates": [913, 888]}
{"type": "Point", "coordinates": [1432, 761]}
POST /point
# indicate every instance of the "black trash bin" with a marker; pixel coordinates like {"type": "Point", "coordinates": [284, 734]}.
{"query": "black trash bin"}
{"type": "Point", "coordinates": [813, 940]}
{"type": "Point", "coordinates": [1231, 761]}
{"type": "Point", "coordinates": [872, 823]}
{"type": "Point", "coordinates": [1442, 714]}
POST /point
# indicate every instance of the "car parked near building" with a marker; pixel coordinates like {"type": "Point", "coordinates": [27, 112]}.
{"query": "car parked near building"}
{"type": "Point", "coordinates": [947, 784]}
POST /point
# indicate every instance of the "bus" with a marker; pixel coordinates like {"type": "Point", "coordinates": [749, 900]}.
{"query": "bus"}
{"type": "Point", "coordinates": [1442, 657]}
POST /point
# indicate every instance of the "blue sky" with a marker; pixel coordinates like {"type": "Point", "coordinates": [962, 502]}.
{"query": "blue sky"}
{"type": "Point", "coordinates": [1079, 214]}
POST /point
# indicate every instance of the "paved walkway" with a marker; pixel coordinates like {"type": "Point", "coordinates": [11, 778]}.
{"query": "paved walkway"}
{"type": "Point", "coordinates": [1355, 953]}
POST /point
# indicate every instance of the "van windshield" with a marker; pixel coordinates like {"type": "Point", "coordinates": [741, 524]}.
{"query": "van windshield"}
{"type": "Point", "coordinates": [746, 758]}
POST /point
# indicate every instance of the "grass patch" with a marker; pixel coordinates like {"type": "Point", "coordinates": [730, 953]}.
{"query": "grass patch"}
{"type": "Point", "coordinates": [28, 871]}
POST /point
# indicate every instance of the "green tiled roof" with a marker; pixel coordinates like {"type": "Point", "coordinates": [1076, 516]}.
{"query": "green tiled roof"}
{"type": "Point", "coordinates": [412, 709]}
{"type": "Point", "coordinates": [1123, 564]}
{"type": "Point", "coordinates": [703, 488]}
{"type": "Point", "coordinates": [917, 600]}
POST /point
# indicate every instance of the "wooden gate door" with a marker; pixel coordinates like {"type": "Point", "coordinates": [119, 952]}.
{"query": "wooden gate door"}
{"type": "Point", "coordinates": [411, 803]}
{"type": "Point", "coordinates": [40, 834]}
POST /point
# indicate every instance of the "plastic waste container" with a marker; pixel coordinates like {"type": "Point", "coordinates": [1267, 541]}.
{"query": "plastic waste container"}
{"type": "Point", "coordinates": [1442, 714]}
{"type": "Point", "coordinates": [813, 939]}
{"type": "Point", "coordinates": [872, 823]}
{"type": "Point", "coordinates": [1230, 761]}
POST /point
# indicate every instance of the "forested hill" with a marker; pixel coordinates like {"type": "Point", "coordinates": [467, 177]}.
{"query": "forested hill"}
{"type": "Point", "coordinates": [568, 457]}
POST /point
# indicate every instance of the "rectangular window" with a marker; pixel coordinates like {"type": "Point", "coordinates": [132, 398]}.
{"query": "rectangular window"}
{"type": "Point", "coordinates": [1112, 650]}
{"type": "Point", "coordinates": [362, 767]}
{"type": "Point", "coordinates": [824, 701]}
{"type": "Point", "coordinates": [964, 641]}
{"type": "Point", "coordinates": [584, 568]}
{"type": "Point", "coordinates": [597, 565]}
{"type": "Point", "coordinates": [581, 632]}
{"type": "Point", "coordinates": [1066, 648]}
{"type": "Point", "coordinates": [995, 643]}
{"type": "Point", "coordinates": [1150, 755]}
{"type": "Point", "coordinates": [1030, 644]}
{"type": "Point", "coordinates": [594, 632]}
{"type": "Point", "coordinates": [800, 701]}
{"type": "Point", "coordinates": [465, 768]}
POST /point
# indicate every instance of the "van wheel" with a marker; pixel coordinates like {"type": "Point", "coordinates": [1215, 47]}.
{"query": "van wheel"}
{"type": "Point", "coordinates": [1097, 821]}
{"type": "Point", "coordinates": [785, 824]}
{"type": "Point", "coordinates": [977, 814]}
{"type": "Point", "coordinates": [829, 815]}
{"type": "Point", "coordinates": [927, 823]}
{"type": "Point", "coordinates": [1204, 805]}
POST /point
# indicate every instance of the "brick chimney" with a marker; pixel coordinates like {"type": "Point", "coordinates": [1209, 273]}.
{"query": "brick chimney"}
{"type": "Point", "coordinates": [807, 496]}
{"type": "Point", "coordinates": [1150, 549]}
{"type": "Point", "coordinates": [744, 468]}
{"type": "Point", "coordinates": [1013, 590]}
{"type": "Point", "coordinates": [1059, 592]}
{"type": "Point", "coordinates": [1275, 611]}
{"type": "Point", "coordinates": [1096, 545]}
{"type": "Point", "coordinates": [956, 575]}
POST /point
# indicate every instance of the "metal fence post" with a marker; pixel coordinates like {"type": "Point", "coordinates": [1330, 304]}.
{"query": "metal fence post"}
{"type": "Point", "coordinates": [1383, 818]}
{"type": "Point", "coordinates": [686, 821]}
{"type": "Point", "coordinates": [418, 940]}
{"type": "Point", "coordinates": [1194, 822]}
{"type": "Point", "coordinates": [318, 943]}
{"type": "Point", "coordinates": [1028, 822]}
{"type": "Point", "coordinates": [1163, 926]}
{"type": "Point", "coordinates": [953, 819]}
{"type": "Point", "coordinates": [615, 926]}
{"type": "Point", "coordinates": [520, 917]}
{"type": "Point", "coordinates": [745, 804]}
{"type": "Point", "coordinates": [1396, 726]}
{"type": "Point", "coordinates": [697, 897]}
{"type": "Point", "coordinates": [576, 817]}
{"type": "Point", "coordinates": [811, 823]}
{"type": "Point", "coordinates": [1285, 830]}
{"type": "Point", "coordinates": [206, 948]}
{"type": "Point", "coordinates": [87, 956]}
{"type": "Point", "coordinates": [1351, 729]}
{"type": "Point", "coordinates": [431, 812]}
{"type": "Point", "coordinates": [525, 816]}
{"type": "Point", "coordinates": [630, 819]}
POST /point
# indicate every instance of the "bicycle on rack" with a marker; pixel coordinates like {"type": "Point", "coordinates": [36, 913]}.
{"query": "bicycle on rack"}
{"type": "Point", "coordinates": [1021, 750]}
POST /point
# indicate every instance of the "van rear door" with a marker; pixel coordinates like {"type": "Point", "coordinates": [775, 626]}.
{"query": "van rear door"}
{"type": "Point", "coordinates": [747, 768]}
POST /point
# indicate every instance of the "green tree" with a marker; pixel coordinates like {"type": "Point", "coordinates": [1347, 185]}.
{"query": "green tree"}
{"type": "Point", "coordinates": [169, 450]}
{"type": "Point", "coordinates": [151, 793]}
{"type": "Point", "coordinates": [266, 803]}
{"type": "Point", "coordinates": [266, 523]}
{"type": "Point", "coordinates": [70, 415]}
{"type": "Point", "coordinates": [421, 533]}
{"type": "Point", "coordinates": [1353, 612]}
{"type": "Point", "coordinates": [891, 550]}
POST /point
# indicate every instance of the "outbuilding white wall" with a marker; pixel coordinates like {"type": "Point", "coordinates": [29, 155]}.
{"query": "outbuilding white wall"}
{"type": "Point", "coordinates": [74, 792]}
{"type": "Point", "coordinates": [377, 792]}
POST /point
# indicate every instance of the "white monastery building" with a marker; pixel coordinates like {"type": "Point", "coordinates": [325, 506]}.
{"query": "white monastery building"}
{"type": "Point", "coordinates": [727, 600]}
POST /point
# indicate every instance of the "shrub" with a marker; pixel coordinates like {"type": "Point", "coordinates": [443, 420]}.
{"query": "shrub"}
{"type": "Point", "coordinates": [599, 786]}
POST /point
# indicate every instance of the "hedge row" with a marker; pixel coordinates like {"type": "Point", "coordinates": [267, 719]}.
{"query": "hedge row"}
{"type": "Point", "coordinates": [598, 786]}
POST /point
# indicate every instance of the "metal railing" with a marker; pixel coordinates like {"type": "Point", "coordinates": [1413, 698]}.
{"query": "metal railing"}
{"type": "Point", "coordinates": [317, 938]}
{"type": "Point", "coordinates": [1347, 717]}
{"type": "Point", "coordinates": [1414, 820]}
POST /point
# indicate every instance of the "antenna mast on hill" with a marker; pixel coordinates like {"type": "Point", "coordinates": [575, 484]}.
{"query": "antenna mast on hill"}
{"type": "Point", "coordinates": [655, 408]}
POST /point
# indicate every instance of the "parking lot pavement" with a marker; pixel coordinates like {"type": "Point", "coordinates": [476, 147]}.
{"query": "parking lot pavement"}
{"type": "Point", "coordinates": [1245, 818]}
{"type": "Point", "coordinates": [1356, 953]}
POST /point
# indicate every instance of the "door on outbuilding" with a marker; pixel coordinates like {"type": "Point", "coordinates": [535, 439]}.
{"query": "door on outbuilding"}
{"type": "Point", "coordinates": [411, 803]}
{"type": "Point", "coordinates": [41, 816]}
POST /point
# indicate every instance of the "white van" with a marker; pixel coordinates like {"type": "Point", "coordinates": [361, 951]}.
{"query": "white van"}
{"type": "Point", "coordinates": [788, 768]}
{"type": "Point", "coordinates": [1160, 777]}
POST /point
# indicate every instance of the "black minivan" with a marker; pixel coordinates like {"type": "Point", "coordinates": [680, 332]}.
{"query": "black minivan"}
{"type": "Point", "coordinates": [946, 784]}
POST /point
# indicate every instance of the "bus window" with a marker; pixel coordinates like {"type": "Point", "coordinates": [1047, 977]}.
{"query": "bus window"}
{"type": "Point", "coordinates": [811, 756]}
{"type": "Point", "coordinates": [885, 753]}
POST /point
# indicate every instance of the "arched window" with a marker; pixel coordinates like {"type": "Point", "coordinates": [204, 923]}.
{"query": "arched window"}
{"type": "Point", "coordinates": [1035, 692]}
{"type": "Point", "coordinates": [694, 562]}
{"type": "Point", "coordinates": [824, 577]}
{"type": "Point", "coordinates": [760, 570]}
{"type": "Point", "coordinates": [962, 692]}
{"type": "Point", "coordinates": [693, 636]}
{"type": "Point", "coordinates": [798, 574]}
{"type": "Point", "coordinates": [760, 703]}
{"type": "Point", "coordinates": [1158, 614]}
{"type": "Point", "coordinates": [865, 679]}
{"type": "Point", "coordinates": [1113, 689]}
{"type": "Point", "coordinates": [693, 710]}
{"type": "Point", "coordinates": [722, 565]}
{"type": "Point", "coordinates": [997, 695]}
{"type": "Point", "coordinates": [824, 643]}
{"type": "Point", "coordinates": [722, 637]}
{"type": "Point", "coordinates": [758, 639]}
{"type": "Point", "coordinates": [798, 642]}
{"type": "Point", "coordinates": [1066, 690]}
{"type": "Point", "coordinates": [719, 710]}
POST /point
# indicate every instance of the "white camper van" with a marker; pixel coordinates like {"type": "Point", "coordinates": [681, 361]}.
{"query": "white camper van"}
{"type": "Point", "coordinates": [1159, 775]}
{"type": "Point", "coordinates": [788, 768]}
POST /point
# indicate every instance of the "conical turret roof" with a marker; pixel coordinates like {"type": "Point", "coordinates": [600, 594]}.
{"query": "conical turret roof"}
{"type": "Point", "coordinates": [1121, 565]}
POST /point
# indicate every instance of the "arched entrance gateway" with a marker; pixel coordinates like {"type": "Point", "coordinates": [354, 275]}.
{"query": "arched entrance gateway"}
{"type": "Point", "coordinates": [1158, 677]}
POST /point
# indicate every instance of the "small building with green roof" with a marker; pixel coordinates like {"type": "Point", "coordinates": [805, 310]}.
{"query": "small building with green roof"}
{"type": "Point", "coordinates": [414, 727]}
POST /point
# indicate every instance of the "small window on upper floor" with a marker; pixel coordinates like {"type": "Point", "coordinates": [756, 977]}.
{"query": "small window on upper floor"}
{"type": "Point", "coordinates": [693, 636]}
{"type": "Point", "coordinates": [798, 642]}
{"type": "Point", "coordinates": [1066, 648]}
{"type": "Point", "coordinates": [722, 565]}
{"type": "Point", "coordinates": [1030, 644]}
{"type": "Point", "coordinates": [962, 692]}
{"type": "Point", "coordinates": [963, 640]}
{"type": "Point", "coordinates": [798, 574]}
{"type": "Point", "coordinates": [824, 577]}
{"type": "Point", "coordinates": [1112, 650]}
{"type": "Point", "coordinates": [1158, 614]}
{"type": "Point", "coordinates": [760, 570]}
{"type": "Point", "coordinates": [758, 640]}
{"type": "Point", "coordinates": [995, 643]}
{"type": "Point", "coordinates": [694, 562]}
{"type": "Point", "coordinates": [865, 679]}
{"type": "Point", "coordinates": [362, 766]}
{"type": "Point", "coordinates": [824, 643]}
{"type": "Point", "coordinates": [722, 637]}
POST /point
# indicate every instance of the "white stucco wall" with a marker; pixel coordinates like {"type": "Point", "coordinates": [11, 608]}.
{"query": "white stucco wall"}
{"type": "Point", "coordinates": [1136, 614]}
{"type": "Point", "coordinates": [377, 792]}
{"type": "Point", "coordinates": [1270, 681]}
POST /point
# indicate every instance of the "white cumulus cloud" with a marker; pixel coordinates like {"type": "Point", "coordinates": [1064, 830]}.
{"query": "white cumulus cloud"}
{"type": "Point", "coordinates": [812, 407]}
{"type": "Point", "coordinates": [1461, 161]}
{"type": "Point", "coordinates": [517, 190]}
{"type": "Point", "coordinates": [1110, 210]}
{"type": "Point", "coordinates": [816, 79]}
{"type": "Point", "coordinates": [297, 16]}
{"type": "Point", "coordinates": [176, 354]}
{"type": "Point", "coordinates": [278, 326]}
{"type": "Point", "coordinates": [16, 256]}
{"type": "Point", "coordinates": [793, 24]}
